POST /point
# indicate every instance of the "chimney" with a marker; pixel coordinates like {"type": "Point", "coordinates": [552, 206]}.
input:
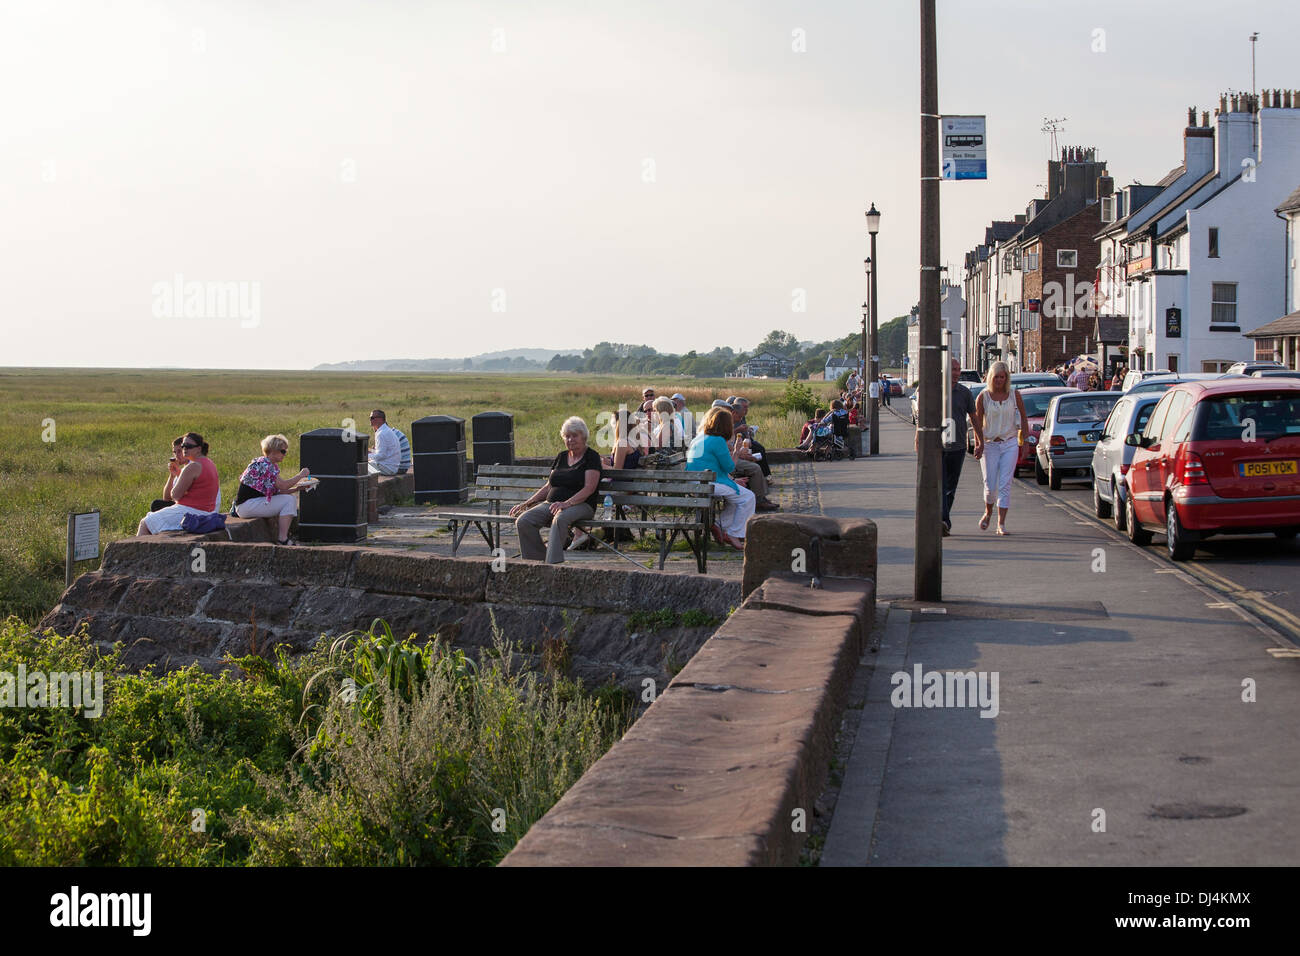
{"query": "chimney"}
{"type": "Point", "coordinates": [1105, 186]}
{"type": "Point", "coordinates": [1205, 118]}
{"type": "Point", "coordinates": [1191, 116]}
{"type": "Point", "coordinates": [1020, 219]}
{"type": "Point", "coordinates": [1223, 103]}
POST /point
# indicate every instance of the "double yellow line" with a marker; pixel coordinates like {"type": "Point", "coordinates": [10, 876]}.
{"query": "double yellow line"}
{"type": "Point", "coordinates": [1280, 618]}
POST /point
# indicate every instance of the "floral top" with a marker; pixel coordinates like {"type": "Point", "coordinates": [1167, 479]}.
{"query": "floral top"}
{"type": "Point", "coordinates": [260, 475]}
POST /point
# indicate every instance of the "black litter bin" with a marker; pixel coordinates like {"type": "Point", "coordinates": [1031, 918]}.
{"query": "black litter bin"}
{"type": "Point", "coordinates": [438, 460]}
{"type": "Point", "coordinates": [494, 438]}
{"type": "Point", "coordinates": [336, 510]}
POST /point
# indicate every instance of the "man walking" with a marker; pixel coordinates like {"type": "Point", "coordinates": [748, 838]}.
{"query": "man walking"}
{"type": "Point", "coordinates": [954, 445]}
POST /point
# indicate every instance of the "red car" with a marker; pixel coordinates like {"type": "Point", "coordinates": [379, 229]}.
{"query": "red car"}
{"type": "Point", "coordinates": [1217, 457]}
{"type": "Point", "coordinates": [1036, 402]}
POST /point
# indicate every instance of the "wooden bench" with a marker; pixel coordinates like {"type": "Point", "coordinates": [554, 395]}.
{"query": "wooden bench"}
{"type": "Point", "coordinates": [668, 502]}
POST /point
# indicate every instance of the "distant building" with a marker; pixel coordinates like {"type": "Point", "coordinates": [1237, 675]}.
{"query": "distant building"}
{"type": "Point", "coordinates": [837, 365]}
{"type": "Point", "coordinates": [766, 365]}
{"type": "Point", "coordinates": [952, 308]}
{"type": "Point", "coordinates": [1279, 340]}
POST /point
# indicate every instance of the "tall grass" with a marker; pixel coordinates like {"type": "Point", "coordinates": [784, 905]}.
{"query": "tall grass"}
{"type": "Point", "coordinates": [113, 431]}
{"type": "Point", "coordinates": [439, 765]}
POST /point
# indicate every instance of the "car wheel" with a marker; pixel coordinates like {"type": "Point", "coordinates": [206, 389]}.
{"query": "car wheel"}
{"type": "Point", "coordinates": [1040, 476]}
{"type": "Point", "coordinates": [1100, 507]}
{"type": "Point", "coordinates": [1176, 537]}
{"type": "Point", "coordinates": [1136, 533]}
{"type": "Point", "coordinates": [1117, 508]}
{"type": "Point", "coordinates": [1053, 478]}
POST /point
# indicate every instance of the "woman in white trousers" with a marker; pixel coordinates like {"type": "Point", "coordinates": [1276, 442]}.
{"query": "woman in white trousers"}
{"type": "Point", "coordinates": [1001, 413]}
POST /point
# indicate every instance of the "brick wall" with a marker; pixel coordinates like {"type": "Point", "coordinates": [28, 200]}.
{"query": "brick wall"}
{"type": "Point", "coordinates": [1076, 233]}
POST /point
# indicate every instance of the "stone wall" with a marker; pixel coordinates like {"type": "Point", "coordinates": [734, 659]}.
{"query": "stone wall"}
{"type": "Point", "coordinates": [173, 605]}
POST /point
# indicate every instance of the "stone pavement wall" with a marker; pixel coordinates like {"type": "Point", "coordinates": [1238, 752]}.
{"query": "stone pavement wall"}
{"type": "Point", "coordinates": [174, 602]}
{"type": "Point", "coordinates": [723, 769]}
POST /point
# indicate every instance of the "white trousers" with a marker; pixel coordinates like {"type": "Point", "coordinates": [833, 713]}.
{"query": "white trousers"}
{"type": "Point", "coordinates": [275, 507]}
{"type": "Point", "coordinates": [737, 509]}
{"type": "Point", "coordinates": [998, 466]}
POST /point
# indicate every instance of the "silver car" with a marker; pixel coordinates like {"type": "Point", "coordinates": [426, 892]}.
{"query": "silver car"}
{"type": "Point", "coordinates": [1112, 457]}
{"type": "Point", "coordinates": [1162, 383]}
{"type": "Point", "coordinates": [1071, 428]}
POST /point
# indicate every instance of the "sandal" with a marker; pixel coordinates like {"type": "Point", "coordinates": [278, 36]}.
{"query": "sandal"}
{"type": "Point", "coordinates": [984, 522]}
{"type": "Point", "coordinates": [286, 543]}
{"type": "Point", "coordinates": [1002, 531]}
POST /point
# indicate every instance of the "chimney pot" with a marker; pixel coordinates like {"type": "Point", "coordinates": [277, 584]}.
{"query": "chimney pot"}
{"type": "Point", "coordinates": [1191, 116]}
{"type": "Point", "coordinates": [1223, 103]}
{"type": "Point", "coordinates": [1205, 117]}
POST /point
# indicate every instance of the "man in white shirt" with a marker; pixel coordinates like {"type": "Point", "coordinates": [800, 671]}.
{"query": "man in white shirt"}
{"type": "Point", "coordinates": [387, 455]}
{"type": "Point", "coordinates": [685, 420]}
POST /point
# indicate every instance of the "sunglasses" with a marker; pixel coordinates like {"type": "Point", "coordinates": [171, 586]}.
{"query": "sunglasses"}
{"type": "Point", "coordinates": [187, 445]}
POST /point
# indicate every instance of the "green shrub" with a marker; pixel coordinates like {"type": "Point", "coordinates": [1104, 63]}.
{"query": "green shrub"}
{"type": "Point", "coordinates": [797, 397]}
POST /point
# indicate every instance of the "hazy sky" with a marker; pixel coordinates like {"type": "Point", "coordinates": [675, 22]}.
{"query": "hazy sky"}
{"type": "Point", "coordinates": [420, 179]}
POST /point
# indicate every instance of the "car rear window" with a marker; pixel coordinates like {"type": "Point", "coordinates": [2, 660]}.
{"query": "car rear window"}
{"type": "Point", "coordinates": [1227, 417]}
{"type": "Point", "coordinates": [1036, 405]}
{"type": "Point", "coordinates": [1077, 411]}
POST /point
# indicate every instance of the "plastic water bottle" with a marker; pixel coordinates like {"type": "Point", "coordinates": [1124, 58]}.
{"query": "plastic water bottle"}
{"type": "Point", "coordinates": [609, 507]}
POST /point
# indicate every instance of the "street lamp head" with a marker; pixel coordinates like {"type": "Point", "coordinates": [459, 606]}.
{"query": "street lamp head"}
{"type": "Point", "coordinates": [873, 220]}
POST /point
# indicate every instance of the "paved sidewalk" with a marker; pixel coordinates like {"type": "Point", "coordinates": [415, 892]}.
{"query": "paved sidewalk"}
{"type": "Point", "coordinates": [1120, 737]}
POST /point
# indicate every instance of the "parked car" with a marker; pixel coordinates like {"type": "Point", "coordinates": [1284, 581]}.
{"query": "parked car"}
{"type": "Point", "coordinates": [895, 385]}
{"type": "Point", "coordinates": [969, 375]}
{"type": "Point", "coordinates": [1158, 383]}
{"type": "Point", "coordinates": [1071, 428]}
{"type": "Point", "coordinates": [1246, 368]}
{"type": "Point", "coordinates": [1217, 457]}
{"type": "Point", "coordinates": [1275, 373]}
{"type": "Point", "coordinates": [1133, 376]}
{"type": "Point", "coordinates": [1112, 457]}
{"type": "Point", "coordinates": [1035, 380]}
{"type": "Point", "coordinates": [1036, 402]}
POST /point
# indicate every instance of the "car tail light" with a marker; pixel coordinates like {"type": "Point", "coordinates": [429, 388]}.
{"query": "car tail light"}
{"type": "Point", "coordinates": [1058, 444]}
{"type": "Point", "coordinates": [1123, 470]}
{"type": "Point", "coordinates": [1190, 471]}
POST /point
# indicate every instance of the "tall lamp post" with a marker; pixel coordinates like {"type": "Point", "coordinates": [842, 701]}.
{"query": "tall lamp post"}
{"type": "Point", "coordinates": [873, 227]}
{"type": "Point", "coordinates": [865, 311]}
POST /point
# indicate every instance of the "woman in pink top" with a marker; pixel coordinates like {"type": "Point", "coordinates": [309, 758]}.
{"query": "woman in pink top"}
{"type": "Point", "coordinates": [193, 485]}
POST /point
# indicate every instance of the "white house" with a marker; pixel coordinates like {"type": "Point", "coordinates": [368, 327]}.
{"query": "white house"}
{"type": "Point", "coordinates": [837, 365]}
{"type": "Point", "coordinates": [952, 308]}
{"type": "Point", "coordinates": [1201, 259]}
{"type": "Point", "coordinates": [1279, 340]}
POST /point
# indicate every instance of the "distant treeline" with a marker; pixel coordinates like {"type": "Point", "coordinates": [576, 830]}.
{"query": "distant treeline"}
{"type": "Point", "coordinates": [809, 358]}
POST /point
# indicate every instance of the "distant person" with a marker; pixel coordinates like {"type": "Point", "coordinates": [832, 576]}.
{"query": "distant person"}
{"type": "Point", "coordinates": [387, 456]}
{"type": "Point", "coordinates": [884, 389]}
{"type": "Point", "coordinates": [631, 441]}
{"type": "Point", "coordinates": [174, 466]}
{"type": "Point", "coordinates": [647, 399]}
{"type": "Point", "coordinates": [853, 383]}
{"type": "Point", "coordinates": [740, 411]}
{"type": "Point", "coordinates": [954, 442]}
{"type": "Point", "coordinates": [684, 417]}
{"type": "Point", "coordinates": [854, 417]}
{"type": "Point", "coordinates": [194, 487]}
{"type": "Point", "coordinates": [569, 495]}
{"type": "Point", "coordinates": [1001, 419]}
{"type": "Point", "coordinates": [709, 453]}
{"type": "Point", "coordinates": [263, 493]}
{"type": "Point", "coordinates": [668, 432]}
{"type": "Point", "coordinates": [809, 429]}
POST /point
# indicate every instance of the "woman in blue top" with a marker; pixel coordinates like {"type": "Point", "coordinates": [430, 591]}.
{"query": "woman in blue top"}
{"type": "Point", "coordinates": [709, 453]}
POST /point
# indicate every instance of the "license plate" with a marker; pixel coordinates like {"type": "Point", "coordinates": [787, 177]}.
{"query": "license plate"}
{"type": "Point", "coordinates": [1089, 438]}
{"type": "Point", "coordinates": [1263, 469]}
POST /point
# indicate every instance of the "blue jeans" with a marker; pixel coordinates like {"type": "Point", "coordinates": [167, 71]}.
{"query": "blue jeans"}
{"type": "Point", "coordinates": [952, 461]}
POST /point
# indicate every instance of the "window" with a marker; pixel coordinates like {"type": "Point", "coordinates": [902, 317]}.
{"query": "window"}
{"type": "Point", "coordinates": [1028, 320]}
{"type": "Point", "coordinates": [1017, 260]}
{"type": "Point", "coordinates": [1223, 304]}
{"type": "Point", "coordinates": [1031, 262]}
{"type": "Point", "coordinates": [1006, 263]}
{"type": "Point", "coordinates": [1157, 419]}
{"type": "Point", "coordinates": [1004, 319]}
{"type": "Point", "coordinates": [1214, 243]}
{"type": "Point", "coordinates": [1067, 259]}
{"type": "Point", "coordinates": [1108, 209]}
{"type": "Point", "coordinates": [1065, 318]}
{"type": "Point", "coordinates": [1215, 365]}
{"type": "Point", "coordinates": [1172, 362]}
{"type": "Point", "coordinates": [1264, 350]}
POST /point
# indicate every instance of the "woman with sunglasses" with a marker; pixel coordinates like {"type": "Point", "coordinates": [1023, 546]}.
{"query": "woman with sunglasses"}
{"type": "Point", "coordinates": [263, 493]}
{"type": "Point", "coordinates": [193, 485]}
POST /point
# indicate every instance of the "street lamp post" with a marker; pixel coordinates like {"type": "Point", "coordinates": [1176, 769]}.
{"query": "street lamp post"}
{"type": "Point", "coordinates": [863, 365]}
{"type": "Point", "coordinates": [873, 227]}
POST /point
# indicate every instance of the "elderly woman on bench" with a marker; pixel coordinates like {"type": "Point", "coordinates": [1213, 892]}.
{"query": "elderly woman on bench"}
{"type": "Point", "coordinates": [569, 496]}
{"type": "Point", "coordinates": [709, 452]}
{"type": "Point", "coordinates": [264, 493]}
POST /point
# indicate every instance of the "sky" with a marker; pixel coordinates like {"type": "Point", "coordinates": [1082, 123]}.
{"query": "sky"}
{"type": "Point", "coordinates": [329, 181]}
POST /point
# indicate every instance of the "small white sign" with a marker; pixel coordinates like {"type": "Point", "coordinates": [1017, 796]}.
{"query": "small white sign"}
{"type": "Point", "coordinates": [965, 148]}
{"type": "Point", "coordinates": [874, 390]}
{"type": "Point", "coordinates": [85, 536]}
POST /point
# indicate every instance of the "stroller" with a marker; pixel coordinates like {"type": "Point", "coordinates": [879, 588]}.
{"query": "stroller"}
{"type": "Point", "coordinates": [831, 441]}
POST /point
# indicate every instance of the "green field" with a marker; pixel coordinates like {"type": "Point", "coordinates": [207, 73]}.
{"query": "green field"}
{"type": "Point", "coordinates": [112, 432]}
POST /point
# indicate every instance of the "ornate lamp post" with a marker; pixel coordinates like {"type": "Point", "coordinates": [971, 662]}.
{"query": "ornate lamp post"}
{"type": "Point", "coordinates": [873, 227]}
